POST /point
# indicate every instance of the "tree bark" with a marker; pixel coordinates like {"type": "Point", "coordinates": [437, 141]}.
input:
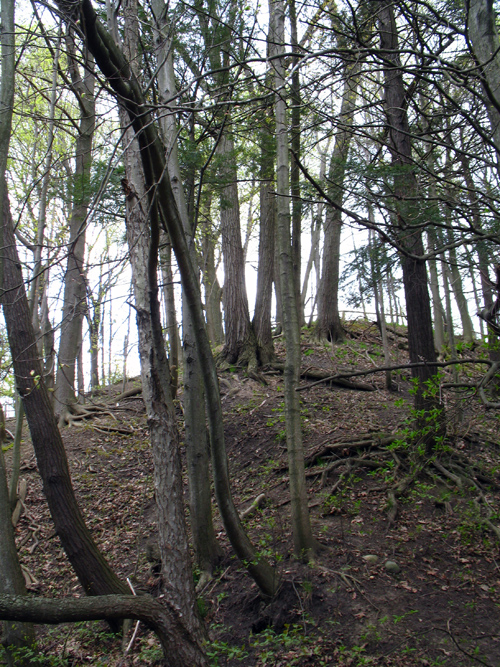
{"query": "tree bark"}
{"type": "Point", "coordinates": [15, 635]}
{"type": "Point", "coordinates": [143, 241]}
{"type": "Point", "coordinates": [206, 547]}
{"type": "Point", "coordinates": [329, 326]}
{"type": "Point", "coordinates": [262, 314]}
{"type": "Point", "coordinates": [179, 647]}
{"type": "Point", "coordinates": [303, 540]}
{"type": "Point", "coordinates": [74, 304]}
{"type": "Point", "coordinates": [420, 334]}
{"type": "Point", "coordinates": [125, 86]}
{"type": "Point", "coordinates": [92, 570]}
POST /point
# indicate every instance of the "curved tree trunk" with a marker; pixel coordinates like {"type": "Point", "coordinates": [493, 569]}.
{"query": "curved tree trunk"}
{"type": "Point", "coordinates": [179, 647]}
{"type": "Point", "coordinates": [143, 243]}
{"type": "Point", "coordinates": [114, 66]}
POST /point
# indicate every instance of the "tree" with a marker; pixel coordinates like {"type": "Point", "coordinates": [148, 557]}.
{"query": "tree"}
{"type": "Point", "coordinates": [303, 540]}
{"type": "Point", "coordinates": [115, 67]}
{"type": "Point", "coordinates": [406, 216]}
{"type": "Point", "coordinates": [74, 306]}
{"type": "Point", "coordinates": [94, 573]}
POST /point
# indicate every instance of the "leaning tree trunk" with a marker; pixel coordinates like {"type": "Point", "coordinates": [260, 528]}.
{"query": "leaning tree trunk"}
{"type": "Point", "coordinates": [143, 242]}
{"type": "Point", "coordinates": [206, 547]}
{"type": "Point", "coordinates": [126, 87]}
{"type": "Point", "coordinates": [179, 647]}
{"type": "Point", "coordinates": [92, 570]}
{"type": "Point", "coordinates": [303, 540]}
{"type": "Point", "coordinates": [74, 303]}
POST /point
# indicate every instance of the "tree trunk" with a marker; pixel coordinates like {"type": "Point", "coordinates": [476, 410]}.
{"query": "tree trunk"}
{"type": "Point", "coordinates": [329, 326]}
{"type": "Point", "coordinates": [206, 547]}
{"type": "Point", "coordinates": [170, 313]}
{"type": "Point", "coordinates": [420, 334]}
{"type": "Point", "coordinates": [262, 314]}
{"type": "Point", "coordinates": [94, 573]}
{"type": "Point", "coordinates": [15, 635]}
{"type": "Point", "coordinates": [74, 304]}
{"type": "Point", "coordinates": [437, 306]}
{"type": "Point", "coordinates": [303, 540]}
{"type": "Point", "coordinates": [143, 243]}
{"type": "Point", "coordinates": [179, 647]}
{"type": "Point", "coordinates": [483, 34]}
{"type": "Point", "coordinates": [212, 289]}
{"type": "Point", "coordinates": [115, 67]}
{"type": "Point", "coordinates": [295, 144]}
{"type": "Point", "coordinates": [239, 344]}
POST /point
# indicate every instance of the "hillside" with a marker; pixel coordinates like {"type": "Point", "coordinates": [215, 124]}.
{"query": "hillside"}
{"type": "Point", "coordinates": [411, 583]}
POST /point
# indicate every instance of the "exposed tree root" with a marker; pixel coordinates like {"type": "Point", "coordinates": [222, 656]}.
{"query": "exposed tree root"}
{"type": "Point", "coordinates": [451, 469]}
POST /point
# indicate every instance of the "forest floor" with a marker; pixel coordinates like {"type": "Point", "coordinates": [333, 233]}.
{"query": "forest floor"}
{"type": "Point", "coordinates": [438, 603]}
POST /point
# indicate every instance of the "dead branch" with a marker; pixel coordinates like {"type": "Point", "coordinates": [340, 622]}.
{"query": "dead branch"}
{"type": "Point", "coordinates": [258, 502]}
{"type": "Point", "coordinates": [321, 377]}
{"type": "Point", "coordinates": [380, 369]}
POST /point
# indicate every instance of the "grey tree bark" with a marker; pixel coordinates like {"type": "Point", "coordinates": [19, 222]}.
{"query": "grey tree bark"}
{"type": "Point", "coordinates": [303, 540]}
{"type": "Point", "coordinates": [207, 550]}
{"type": "Point", "coordinates": [15, 635]}
{"type": "Point", "coordinates": [143, 242]}
{"type": "Point", "coordinates": [420, 334]}
{"type": "Point", "coordinates": [92, 570]}
{"type": "Point", "coordinates": [262, 314]}
{"type": "Point", "coordinates": [126, 87]}
{"type": "Point", "coordinates": [74, 303]}
{"type": "Point", "coordinates": [179, 647]}
{"type": "Point", "coordinates": [328, 325]}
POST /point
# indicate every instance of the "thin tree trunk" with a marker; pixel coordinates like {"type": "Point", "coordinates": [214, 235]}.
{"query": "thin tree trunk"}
{"type": "Point", "coordinates": [125, 86]}
{"type": "Point", "coordinates": [437, 306]}
{"type": "Point", "coordinates": [74, 304]}
{"type": "Point", "coordinates": [263, 301]}
{"type": "Point", "coordinates": [303, 540]}
{"type": "Point", "coordinates": [295, 144]}
{"type": "Point", "coordinates": [170, 312]}
{"type": "Point", "coordinates": [15, 635]}
{"type": "Point", "coordinates": [206, 547]}
{"type": "Point", "coordinates": [213, 291]}
{"type": "Point", "coordinates": [143, 243]}
{"type": "Point", "coordinates": [328, 325]}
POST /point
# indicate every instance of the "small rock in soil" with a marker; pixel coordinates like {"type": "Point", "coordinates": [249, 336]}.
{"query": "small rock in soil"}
{"type": "Point", "coordinates": [392, 567]}
{"type": "Point", "coordinates": [370, 559]}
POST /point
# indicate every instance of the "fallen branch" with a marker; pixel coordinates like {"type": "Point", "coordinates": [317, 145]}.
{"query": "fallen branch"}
{"type": "Point", "coordinates": [321, 377]}
{"type": "Point", "coordinates": [258, 502]}
{"type": "Point", "coordinates": [380, 369]}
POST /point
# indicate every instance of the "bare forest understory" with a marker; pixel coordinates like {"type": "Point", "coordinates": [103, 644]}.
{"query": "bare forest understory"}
{"type": "Point", "coordinates": [410, 570]}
